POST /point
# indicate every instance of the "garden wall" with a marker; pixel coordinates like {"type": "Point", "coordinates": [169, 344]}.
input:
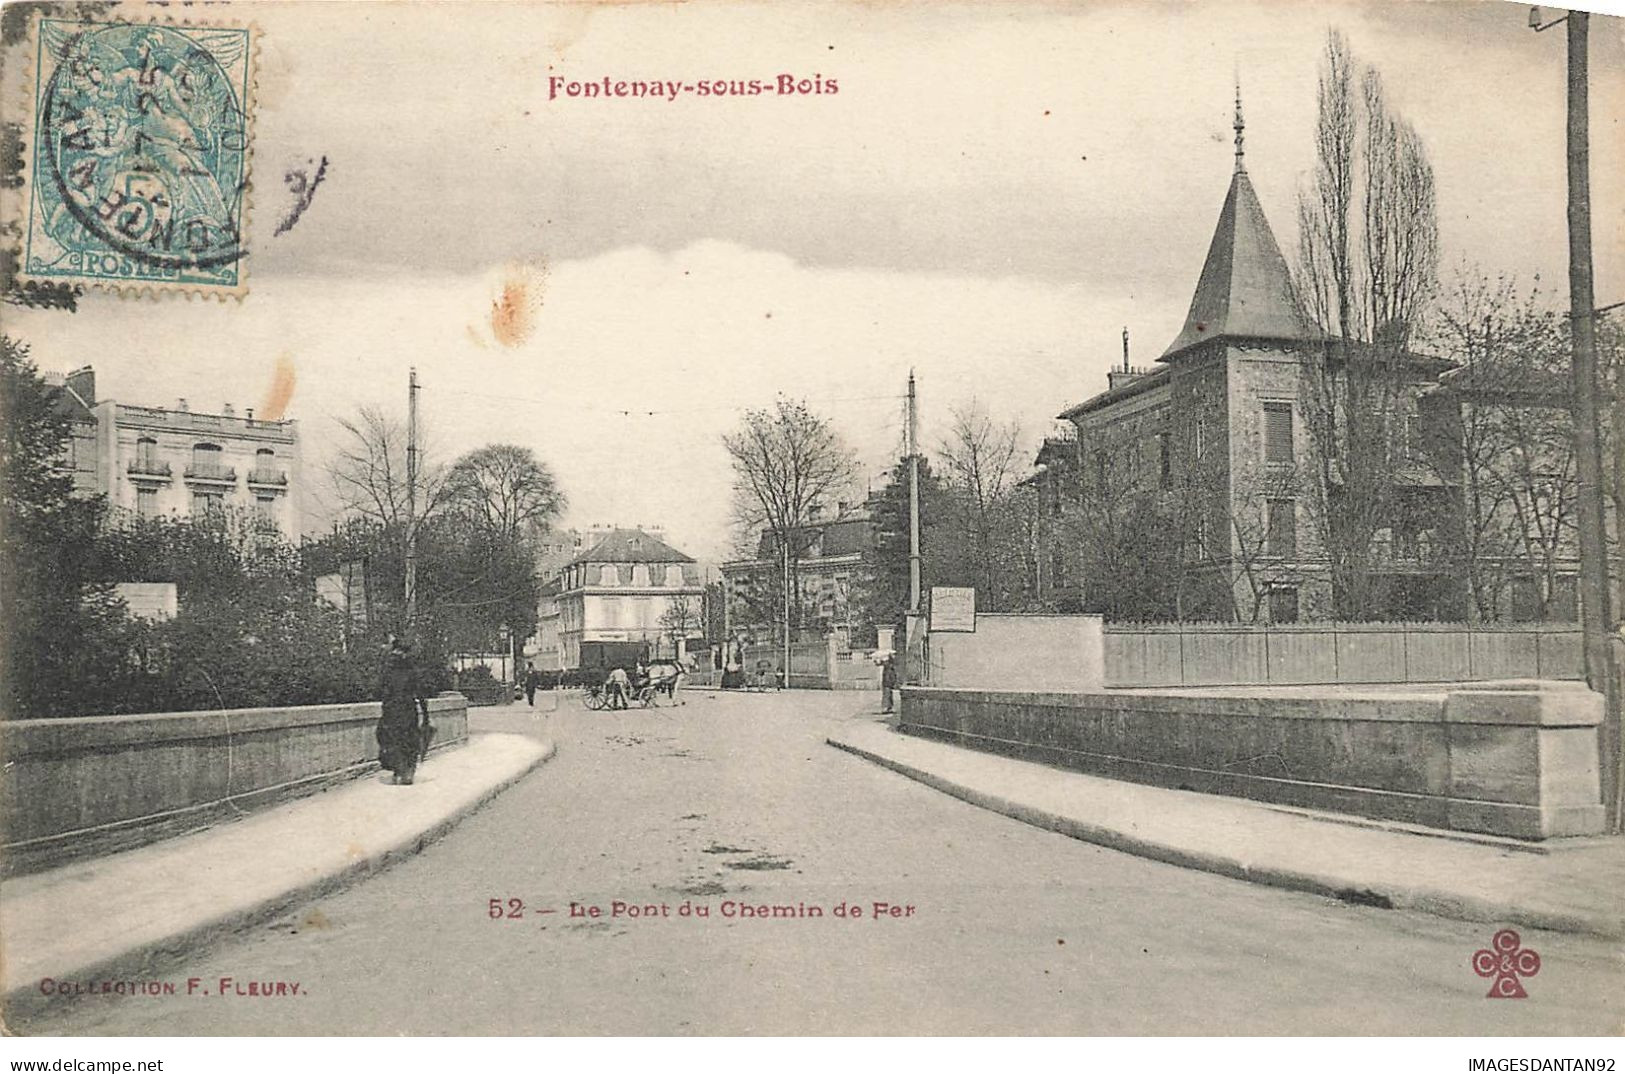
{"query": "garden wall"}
{"type": "Point", "coordinates": [1200, 654]}
{"type": "Point", "coordinates": [1020, 652]}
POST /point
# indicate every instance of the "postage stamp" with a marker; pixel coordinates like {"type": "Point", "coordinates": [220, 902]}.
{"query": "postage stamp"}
{"type": "Point", "coordinates": [139, 167]}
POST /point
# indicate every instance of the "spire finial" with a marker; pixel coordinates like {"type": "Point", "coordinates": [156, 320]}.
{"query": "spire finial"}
{"type": "Point", "coordinates": [1241, 127]}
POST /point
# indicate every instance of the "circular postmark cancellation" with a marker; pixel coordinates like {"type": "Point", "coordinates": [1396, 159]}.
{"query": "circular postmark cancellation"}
{"type": "Point", "coordinates": [140, 166]}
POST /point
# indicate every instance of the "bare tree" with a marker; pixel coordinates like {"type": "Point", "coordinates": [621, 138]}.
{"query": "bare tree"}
{"type": "Point", "coordinates": [504, 489]}
{"type": "Point", "coordinates": [368, 471]}
{"type": "Point", "coordinates": [788, 462]}
{"type": "Point", "coordinates": [503, 498]}
{"type": "Point", "coordinates": [681, 619]}
{"type": "Point", "coordinates": [1502, 434]}
{"type": "Point", "coordinates": [981, 465]}
{"type": "Point", "coordinates": [1367, 274]}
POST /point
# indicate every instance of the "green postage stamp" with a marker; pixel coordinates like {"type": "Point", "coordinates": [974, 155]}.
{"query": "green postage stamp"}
{"type": "Point", "coordinates": [138, 174]}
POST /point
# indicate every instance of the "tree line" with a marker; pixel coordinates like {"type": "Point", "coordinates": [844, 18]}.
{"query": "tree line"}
{"type": "Point", "coordinates": [1435, 478]}
{"type": "Point", "coordinates": [249, 630]}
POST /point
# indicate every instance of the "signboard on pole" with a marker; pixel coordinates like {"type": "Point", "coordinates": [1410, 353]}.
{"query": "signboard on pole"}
{"type": "Point", "coordinates": [953, 608]}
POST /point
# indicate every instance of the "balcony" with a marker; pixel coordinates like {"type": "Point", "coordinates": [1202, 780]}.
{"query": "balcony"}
{"type": "Point", "coordinates": [265, 475]}
{"type": "Point", "coordinates": [211, 473]}
{"type": "Point", "coordinates": [151, 417]}
{"type": "Point", "coordinates": [149, 470]}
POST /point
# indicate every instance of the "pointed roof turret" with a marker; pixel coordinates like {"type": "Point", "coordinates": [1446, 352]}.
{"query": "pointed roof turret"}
{"type": "Point", "coordinates": [1245, 289]}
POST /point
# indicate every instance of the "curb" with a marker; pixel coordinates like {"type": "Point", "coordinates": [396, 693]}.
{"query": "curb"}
{"type": "Point", "coordinates": [1435, 902]}
{"type": "Point", "coordinates": [148, 957]}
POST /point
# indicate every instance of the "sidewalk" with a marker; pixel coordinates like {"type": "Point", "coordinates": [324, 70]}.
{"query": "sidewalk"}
{"type": "Point", "coordinates": [101, 919]}
{"type": "Point", "coordinates": [1573, 885]}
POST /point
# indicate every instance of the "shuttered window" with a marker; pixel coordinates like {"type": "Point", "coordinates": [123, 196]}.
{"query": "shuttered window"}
{"type": "Point", "coordinates": [1278, 432]}
{"type": "Point", "coordinates": [1283, 529]}
{"type": "Point", "coordinates": [1283, 604]}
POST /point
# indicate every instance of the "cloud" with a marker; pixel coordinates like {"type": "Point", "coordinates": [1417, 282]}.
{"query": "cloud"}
{"type": "Point", "coordinates": [636, 363]}
{"type": "Point", "coordinates": [1085, 144]}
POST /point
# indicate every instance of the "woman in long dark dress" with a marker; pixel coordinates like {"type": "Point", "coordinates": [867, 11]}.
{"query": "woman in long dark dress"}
{"type": "Point", "coordinates": [403, 727]}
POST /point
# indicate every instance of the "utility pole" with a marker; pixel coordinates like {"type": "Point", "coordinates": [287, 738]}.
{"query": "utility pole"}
{"type": "Point", "coordinates": [913, 631]}
{"type": "Point", "coordinates": [913, 499]}
{"type": "Point", "coordinates": [1595, 615]}
{"type": "Point", "coordinates": [785, 545]}
{"type": "Point", "coordinates": [412, 500]}
{"type": "Point", "coordinates": [727, 615]}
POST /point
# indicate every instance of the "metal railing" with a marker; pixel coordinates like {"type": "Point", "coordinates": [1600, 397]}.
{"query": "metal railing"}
{"type": "Point", "coordinates": [265, 475]}
{"type": "Point", "coordinates": [211, 471]}
{"type": "Point", "coordinates": [149, 468]}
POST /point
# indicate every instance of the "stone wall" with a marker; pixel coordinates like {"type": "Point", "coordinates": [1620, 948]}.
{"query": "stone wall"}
{"type": "Point", "coordinates": [1515, 759]}
{"type": "Point", "coordinates": [1020, 652]}
{"type": "Point", "coordinates": [89, 785]}
{"type": "Point", "coordinates": [1155, 655]}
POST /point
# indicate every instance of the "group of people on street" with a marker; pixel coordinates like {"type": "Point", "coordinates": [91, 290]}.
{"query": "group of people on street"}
{"type": "Point", "coordinates": [405, 730]}
{"type": "Point", "coordinates": [623, 687]}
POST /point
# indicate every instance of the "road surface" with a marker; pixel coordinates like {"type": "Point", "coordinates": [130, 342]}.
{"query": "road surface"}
{"type": "Point", "coordinates": [735, 801]}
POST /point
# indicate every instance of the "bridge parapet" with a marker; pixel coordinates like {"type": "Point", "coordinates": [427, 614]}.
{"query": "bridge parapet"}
{"type": "Point", "coordinates": [90, 785]}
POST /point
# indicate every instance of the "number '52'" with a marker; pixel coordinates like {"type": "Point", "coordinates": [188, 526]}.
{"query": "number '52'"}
{"type": "Point", "coordinates": [505, 908]}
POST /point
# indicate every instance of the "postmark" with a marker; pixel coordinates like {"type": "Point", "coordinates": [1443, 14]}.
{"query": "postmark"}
{"type": "Point", "coordinates": [140, 155]}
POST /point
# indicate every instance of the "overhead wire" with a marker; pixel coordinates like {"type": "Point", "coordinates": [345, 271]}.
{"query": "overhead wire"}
{"type": "Point", "coordinates": [660, 411]}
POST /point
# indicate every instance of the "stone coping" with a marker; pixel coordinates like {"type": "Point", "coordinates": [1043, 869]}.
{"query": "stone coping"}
{"type": "Point", "coordinates": [24, 738]}
{"type": "Point", "coordinates": [1513, 702]}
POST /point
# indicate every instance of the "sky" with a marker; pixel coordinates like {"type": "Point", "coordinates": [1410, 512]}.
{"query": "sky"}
{"type": "Point", "coordinates": [990, 196]}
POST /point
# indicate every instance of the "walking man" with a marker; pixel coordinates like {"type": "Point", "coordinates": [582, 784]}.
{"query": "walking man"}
{"type": "Point", "coordinates": [532, 678]}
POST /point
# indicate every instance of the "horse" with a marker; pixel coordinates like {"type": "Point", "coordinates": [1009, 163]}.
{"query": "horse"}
{"type": "Point", "coordinates": [663, 677]}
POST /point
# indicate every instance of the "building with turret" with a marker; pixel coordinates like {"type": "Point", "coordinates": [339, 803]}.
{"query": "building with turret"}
{"type": "Point", "coordinates": [1214, 454]}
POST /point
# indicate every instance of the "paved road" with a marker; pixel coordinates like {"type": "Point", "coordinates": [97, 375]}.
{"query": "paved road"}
{"type": "Point", "coordinates": [735, 800]}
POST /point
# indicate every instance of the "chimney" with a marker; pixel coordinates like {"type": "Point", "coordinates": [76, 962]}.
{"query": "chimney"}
{"type": "Point", "coordinates": [180, 405]}
{"type": "Point", "coordinates": [1116, 378]}
{"type": "Point", "coordinates": [228, 410]}
{"type": "Point", "coordinates": [250, 412]}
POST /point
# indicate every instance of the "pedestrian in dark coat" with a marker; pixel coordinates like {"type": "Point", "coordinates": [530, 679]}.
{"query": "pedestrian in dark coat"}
{"type": "Point", "coordinates": [888, 682]}
{"type": "Point", "coordinates": [532, 679]}
{"type": "Point", "coordinates": [403, 727]}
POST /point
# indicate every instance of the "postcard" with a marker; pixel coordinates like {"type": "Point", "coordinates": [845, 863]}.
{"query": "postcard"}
{"type": "Point", "coordinates": [844, 519]}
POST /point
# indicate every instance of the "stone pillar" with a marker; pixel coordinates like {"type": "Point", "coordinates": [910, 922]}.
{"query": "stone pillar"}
{"type": "Point", "coordinates": [1523, 759]}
